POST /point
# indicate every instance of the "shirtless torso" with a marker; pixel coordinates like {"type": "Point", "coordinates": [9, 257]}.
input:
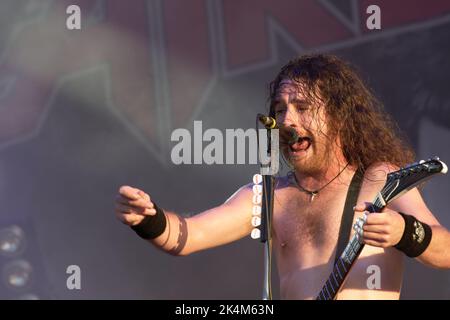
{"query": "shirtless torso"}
{"type": "Point", "coordinates": [305, 239]}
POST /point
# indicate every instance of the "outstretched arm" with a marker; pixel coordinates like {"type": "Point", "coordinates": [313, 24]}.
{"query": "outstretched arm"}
{"type": "Point", "coordinates": [182, 236]}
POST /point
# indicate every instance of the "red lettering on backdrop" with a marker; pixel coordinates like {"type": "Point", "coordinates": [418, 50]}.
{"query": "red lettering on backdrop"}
{"type": "Point", "coordinates": [246, 28]}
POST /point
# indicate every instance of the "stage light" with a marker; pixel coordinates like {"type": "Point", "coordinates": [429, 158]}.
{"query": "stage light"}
{"type": "Point", "coordinates": [17, 274]}
{"type": "Point", "coordinates": [12, 241]}
{"type": "Point", "coordinates": [22, 274]}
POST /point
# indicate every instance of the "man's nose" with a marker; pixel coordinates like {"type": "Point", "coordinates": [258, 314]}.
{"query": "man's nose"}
{"type": "Point", "coordinates": [290, 119]}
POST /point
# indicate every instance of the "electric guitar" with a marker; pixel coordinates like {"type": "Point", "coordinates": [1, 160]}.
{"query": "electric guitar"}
{"type": "Point", "coordinates": [397, 183]}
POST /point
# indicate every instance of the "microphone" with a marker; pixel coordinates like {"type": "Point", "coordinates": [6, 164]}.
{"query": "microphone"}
{"type": "Point", "coordinates": [268, 122]}
{"type": "Point", "coordinates": [289, 133]}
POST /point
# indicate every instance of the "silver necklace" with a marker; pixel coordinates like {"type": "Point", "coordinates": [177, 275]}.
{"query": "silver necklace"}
{"type": "Point", "coordinates": [314, 193]}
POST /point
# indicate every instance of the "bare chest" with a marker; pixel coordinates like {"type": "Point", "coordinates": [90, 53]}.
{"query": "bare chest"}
{"type": "Point", "coordinates": [306, 229]}
{"type": "Point", "coordinates": [305, 239]}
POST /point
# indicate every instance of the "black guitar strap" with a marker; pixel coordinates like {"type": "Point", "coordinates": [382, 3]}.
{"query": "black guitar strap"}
{"type": "Point", "coordinates": [347, 215]}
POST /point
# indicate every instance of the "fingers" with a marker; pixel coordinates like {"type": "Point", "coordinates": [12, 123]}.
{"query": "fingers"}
{"type": "Point", "coordinates": [144, 195]}
{"type": "Point", "coordinates": [376, 228]}
{"type": "Point", "coordinates": [375, 243]}
{"type": "Point", "coordinates": [377, 219]}
{"type": "Point", "coordinates": [132, 205]}
{"type": "Point", "coordinates": [374, 236]}
{"type": "Point", "coordinates": [380, 235]}
{"type": "Point", "coordinates": [127, 209]}
{"type": "Point", "coordinates": [141, 203]}
{"type": "Point", "coordinates": [133, 193]}
{"type": "Point", "coordinates": [129, 192]}
{"type": "Point", "coordinates": [360, 207]}
{"type": "Point", "coordinates": [130, 215]}
{"type": "Point", "coordinates": [135, 197]}
{"type": "Point", "coordinates": [366, 206]}
{"type": "Point", "coordinates": [130, 219]}
{"type": "Point", "coordinates": [376, 239]}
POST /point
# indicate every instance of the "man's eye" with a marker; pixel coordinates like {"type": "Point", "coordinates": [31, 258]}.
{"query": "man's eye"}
{"type": "Point", "coordinates": [302, 108]}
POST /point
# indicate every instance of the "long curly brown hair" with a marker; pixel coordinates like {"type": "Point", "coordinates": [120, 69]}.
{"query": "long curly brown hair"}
{"type": "Point", "coordinates": [368, 135]}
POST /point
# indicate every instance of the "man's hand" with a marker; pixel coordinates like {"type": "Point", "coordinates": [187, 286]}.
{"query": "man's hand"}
{"type": "Point", "coordinates": [383, 229]}
{"type": "Point", "coordinates": [132, 205]}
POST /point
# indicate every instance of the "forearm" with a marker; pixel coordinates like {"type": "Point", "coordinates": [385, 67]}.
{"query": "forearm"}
{"type": "Point", "coordinates": [209, 229]}
{"type": "Point", "coordinates": [437, 254]}
{"type": "Point", "coordinates": [174, 239]}
{"type": "Point", "coordinates": [217, 226]}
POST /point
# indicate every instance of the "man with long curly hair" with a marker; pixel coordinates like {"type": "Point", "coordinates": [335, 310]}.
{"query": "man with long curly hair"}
{"type": "Point", "coordinates": [344, 136]}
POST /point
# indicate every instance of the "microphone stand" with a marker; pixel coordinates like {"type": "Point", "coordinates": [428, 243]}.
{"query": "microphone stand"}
{"type": "Point", "coordinates": [266, 233]}
{"type": "Point", "coordinates": [266, 225]}
{"type": "Point", "coordinates": [268, 188]}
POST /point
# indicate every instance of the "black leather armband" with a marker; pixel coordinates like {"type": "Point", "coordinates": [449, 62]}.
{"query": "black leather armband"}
{"type": "Point", "coordinates": [416, 237]}
{"type": "Point", "coordinates": [152, 227]}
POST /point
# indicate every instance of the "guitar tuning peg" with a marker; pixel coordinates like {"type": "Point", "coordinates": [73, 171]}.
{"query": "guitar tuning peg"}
{"type": "Point", "coordinates": [421, 161]}
{"type": "Point", "coordinates": [436, 158]}
{"type": "Point", "coordinates": [256, 233]}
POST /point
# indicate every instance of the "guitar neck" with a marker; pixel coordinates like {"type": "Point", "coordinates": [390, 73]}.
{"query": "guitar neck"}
{"type": "Point", "coordinates": [397, 183]}
{"type": "Point", "coordinates": [341, 269]}
{"type": "Point", "coordinates": [346, 261]}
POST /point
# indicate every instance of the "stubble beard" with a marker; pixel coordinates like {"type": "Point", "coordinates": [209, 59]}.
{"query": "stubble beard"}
{"type": "Point", "coordinates": [315, 163]}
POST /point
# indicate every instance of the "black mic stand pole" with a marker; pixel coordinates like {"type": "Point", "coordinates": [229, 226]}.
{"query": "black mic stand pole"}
{"type": "Point", "coordinates": [266, 221]}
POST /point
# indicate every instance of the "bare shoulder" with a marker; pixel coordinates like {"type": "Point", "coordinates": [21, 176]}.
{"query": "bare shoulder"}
{"type": "Point", "coordinates": [411, 202]}
{"type": "Point", "coordinates": [379, 171]}
{"type": "Point", "coordinates": [244, 193]}
{"type": "Point", "coordinates": [374, 180]}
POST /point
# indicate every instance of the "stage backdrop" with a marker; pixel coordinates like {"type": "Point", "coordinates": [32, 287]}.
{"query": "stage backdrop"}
{"type": "Point", "coordinates": [83, 111]}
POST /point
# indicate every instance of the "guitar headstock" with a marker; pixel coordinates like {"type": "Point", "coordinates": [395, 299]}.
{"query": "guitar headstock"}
{"type": "Point", "coordinates": [410, 176]}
